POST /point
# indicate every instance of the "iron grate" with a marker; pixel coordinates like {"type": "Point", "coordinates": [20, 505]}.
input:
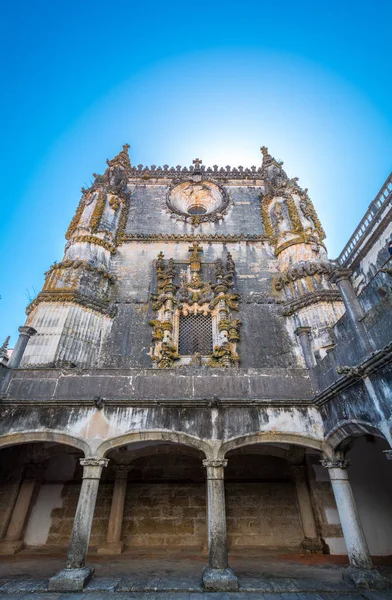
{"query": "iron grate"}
{"type": "Point", "coordinates": [195, 334]}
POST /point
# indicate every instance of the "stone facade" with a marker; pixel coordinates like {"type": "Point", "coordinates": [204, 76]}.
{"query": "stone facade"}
{"type": "Point", "coordinates": [196, 337]}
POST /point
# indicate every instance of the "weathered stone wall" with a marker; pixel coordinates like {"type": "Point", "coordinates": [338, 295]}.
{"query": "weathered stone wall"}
{"type": "Point", "coordinates": [243, 215]}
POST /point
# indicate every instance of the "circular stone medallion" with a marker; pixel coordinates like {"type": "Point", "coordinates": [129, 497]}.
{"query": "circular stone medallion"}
{"type": "Point", "coordinates": [201, 200]}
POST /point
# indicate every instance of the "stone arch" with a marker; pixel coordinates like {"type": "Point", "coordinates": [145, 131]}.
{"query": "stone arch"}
{"type": "Point", "coordinates": [175, 437]}
{"type": "Point", "coordinates": [268, 437]}
{"type": "Point", "coordinates": [25, 437]}
{"type": "Point", "coordinates": [350, 429]}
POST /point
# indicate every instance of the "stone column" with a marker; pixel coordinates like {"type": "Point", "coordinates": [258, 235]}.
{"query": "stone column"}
{"type": "Point", "coordinates": [217, 576]}
{"type": "Point", "coordinates": [304, 339]}
{"type": "Point", "coordinates": [353, 308]}
{"type": "Point", "coordinates": [13, 540]}
{"type": "Point", "coordinates": [114, 544]}
{"type": "Point", "coordinates": [25, 333]}
{"type": "Point", "coordinates": [361, 570]}
{"type": "Point", "coordinates": [76, 574]}
{"type": "Point", "coordinates": [311, 542]}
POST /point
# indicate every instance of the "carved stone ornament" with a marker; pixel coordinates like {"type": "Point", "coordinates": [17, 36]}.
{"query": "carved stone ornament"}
{"type": "Point", "coordinates": [288, 213]}
{"type": "Point", "coordinates": [301, 270]}
{"type": "Point", "coordinates": [197, 202]}
{"type": "Point", "coordinates": [335, 463]}
{"type": "Point", "coordinates": [194, 296]}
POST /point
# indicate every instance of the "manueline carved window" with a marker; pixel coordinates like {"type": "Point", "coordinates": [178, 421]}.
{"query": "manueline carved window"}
{"type": "Point", "coordinates": [195, 321]}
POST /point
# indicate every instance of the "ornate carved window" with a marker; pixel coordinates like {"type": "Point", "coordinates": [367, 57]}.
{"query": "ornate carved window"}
{"type": "Point", "coordinates": [194, 318]}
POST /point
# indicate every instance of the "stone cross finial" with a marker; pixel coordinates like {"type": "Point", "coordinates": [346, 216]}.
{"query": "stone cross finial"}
{"type": "Point", "coordinates": [195, 248]}
{"type": "Point", "coordinates": [197, 162]}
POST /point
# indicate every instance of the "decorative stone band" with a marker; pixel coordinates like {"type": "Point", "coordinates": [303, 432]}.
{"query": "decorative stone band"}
{"type": "Point", "coordinates": [73, 297]}
{"type": "Point", "coordinates": [322, 296]}
{"type": "Point", "coordinates": [299, 271]}
{"type": "Point", "coordinates": [144, 172]}
{"type": "Point", "coordinates": [92, 239]}
{"type": "Point", "coordinates": [303, 238]}
{"type": "Point", "coordinates": [335, 463]}
{"type": "Point", "coordinates": [172, 237]}
{"type": "Point", "coordinates": [76, 264]}
{"type": "Point", "coordinates": [213, 463]}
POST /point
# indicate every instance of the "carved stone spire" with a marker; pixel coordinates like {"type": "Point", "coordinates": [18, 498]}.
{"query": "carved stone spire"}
{"type": "Point", "coordinates": [4, 347]}
{"type": "Point", "coordinates": [122, 159]}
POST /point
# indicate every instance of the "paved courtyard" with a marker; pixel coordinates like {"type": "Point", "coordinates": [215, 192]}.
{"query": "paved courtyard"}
{"type": "Point", "coordinates": [157, 575]}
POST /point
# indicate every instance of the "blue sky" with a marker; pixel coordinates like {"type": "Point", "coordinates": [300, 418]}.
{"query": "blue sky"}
{"type": "Point", "coordinates": [310, 80]}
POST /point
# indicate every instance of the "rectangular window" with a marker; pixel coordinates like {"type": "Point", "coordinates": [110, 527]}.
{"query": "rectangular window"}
{"type": "Point", "coordinates": [195, 335]}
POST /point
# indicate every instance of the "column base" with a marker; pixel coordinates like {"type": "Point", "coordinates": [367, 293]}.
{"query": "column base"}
{"type": "Point", "coordinates": [366, 579]}
{"type": "Point", "coordinates": [312, 545]}
{"type": "Point", "coordinates": [11, 547]}
{"type": "Point", "coordinates": [219, 580]}
{"type": "Point", "coordinates": [70, 580]}
{"type": "Point", "coordinates": [111, 548]}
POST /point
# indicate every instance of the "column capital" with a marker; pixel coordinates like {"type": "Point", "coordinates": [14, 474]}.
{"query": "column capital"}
{"type": "Point", "coordinates": [90, 461]}
{"type": "Point", "coordinates": [32, 470]}
{"type": "Point", "coordinates": [25, 330]}
{"type": "Point", "coordinates": [340, 274]}
{"type": "Point", "coordinates": [92, 467]}
{"type": "Point", "coordinates": [335, 463]}
{"type": "Point", "coordinates": [121, 471]}
{"type": "Point", "coordinates": [215, 463]}
{"type": "Point", "coordinates": [302, 330]}
{"type": "Point", "coordinates": [388, 454]}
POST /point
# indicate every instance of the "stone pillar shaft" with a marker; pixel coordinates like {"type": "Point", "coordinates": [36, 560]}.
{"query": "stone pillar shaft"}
{"type": "Point", "coordinates": [217, 577]}
{"type": "Point", "coordinates": [21, 508]}
{"type": "Point", "coordinates": [304, 502]}
{"type": "Point", "coordinates": [113, 543]}
{"type": "Point", "coordinates": [13, 540]}
{"type": "Point", "coordinates": [25, 333]}
{"type": "Point", "coordinates": [304, 339]}
{"type": "Point", "coordinates": [217, 538]}
{"type": "Point", "coordinates": [353, 308]}
{"type": "Point", "coordinates": [357, 548]}
{"type": "Point", "coordinates": [80, 537]}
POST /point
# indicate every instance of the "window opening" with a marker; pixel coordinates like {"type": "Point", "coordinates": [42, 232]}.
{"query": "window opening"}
{"type": "Point", "coordinates": [195, 334]}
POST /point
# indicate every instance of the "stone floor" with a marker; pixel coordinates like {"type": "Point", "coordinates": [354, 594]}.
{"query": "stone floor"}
{"type": "Point", "coordinates": [149, 575]}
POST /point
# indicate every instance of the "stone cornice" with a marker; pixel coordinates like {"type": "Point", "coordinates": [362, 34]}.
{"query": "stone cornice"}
{"type": "Point", "coordinates": [321, 296]}
{"type": "Point", "coordinates": [352, 374]}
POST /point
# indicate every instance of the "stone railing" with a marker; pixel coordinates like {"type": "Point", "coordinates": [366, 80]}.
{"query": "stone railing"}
{"type": "Point", "coordinates": [227, 172]}
{"type": "Point", "coordinates": [383, 198]}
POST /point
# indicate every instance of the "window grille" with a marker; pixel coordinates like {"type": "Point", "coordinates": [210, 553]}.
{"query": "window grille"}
{"type": "Point", "coordinates": [195, 334]}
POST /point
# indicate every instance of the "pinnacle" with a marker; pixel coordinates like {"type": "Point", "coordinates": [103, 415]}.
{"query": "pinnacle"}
{"type": "Point", "coordinates": [122, 159]}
